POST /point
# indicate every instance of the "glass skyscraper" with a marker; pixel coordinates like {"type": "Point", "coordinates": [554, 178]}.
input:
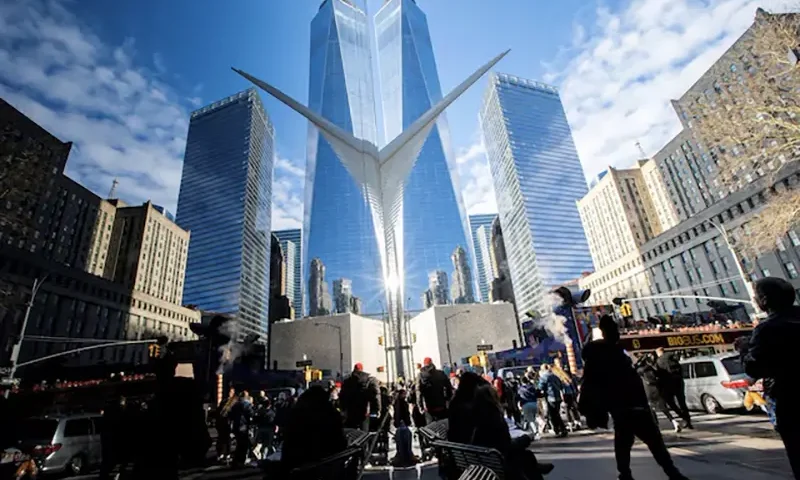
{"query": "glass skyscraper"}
{"type": "Point", "coordinates": [481, 228]}
{"type": "Point", "coordinates": [537, 180]}
{"type": "Point", "coordinates": [291, 243]}
{"type": "Point", "coordinates": [225, 201]}
{"type": "Point", "coordinates": [338, 222]}
{"type": "Point", "coordinates": [434, 218]}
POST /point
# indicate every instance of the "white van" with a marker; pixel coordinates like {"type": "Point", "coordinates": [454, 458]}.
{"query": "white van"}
{"type": "Point", "coordinates": [715, 382]}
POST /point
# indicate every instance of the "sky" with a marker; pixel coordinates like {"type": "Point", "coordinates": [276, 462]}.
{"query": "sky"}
{"type": "Point", "coordinates": [120, 78]}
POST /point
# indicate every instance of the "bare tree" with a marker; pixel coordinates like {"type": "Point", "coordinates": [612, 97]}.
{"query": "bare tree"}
{"type": "Point", "coordinates": [749, 117]}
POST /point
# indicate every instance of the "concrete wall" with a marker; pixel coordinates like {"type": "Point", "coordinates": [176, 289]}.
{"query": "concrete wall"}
{"type": "Point", "coordinates": [310, 336]}
{"type": "Point", "coordinates": [493, 323]}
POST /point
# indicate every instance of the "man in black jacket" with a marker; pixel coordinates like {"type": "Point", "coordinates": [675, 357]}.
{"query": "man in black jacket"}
{"type": "Point", "coordinates": [434, 391]}
{"type": "Point", "coordinates": [612, 386]}
{"type": "Point", "coordinates": [670, 380]}
{"type": "Point", "coordinates": [771, 355]}
{"type": "Point", "coordinates": [360, 397]}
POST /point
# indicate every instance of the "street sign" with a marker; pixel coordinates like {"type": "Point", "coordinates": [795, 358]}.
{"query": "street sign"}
{"type": "Point", "coordinates": [303, 363]}
{"type": "Point", "coordinates": [485, 347]}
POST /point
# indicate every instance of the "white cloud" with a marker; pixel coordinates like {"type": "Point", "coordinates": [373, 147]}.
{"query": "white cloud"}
{"type": "Point", "coordinates": [195, 101]}
{"type": "Point", "coordinates": [287, 194]}
{"type": "Point", "coordinates": [283, 165]}
{"type": "Point", "coordinates": [476, 179]}
{"type": "Point", "coordinates": [124, 123]}
{"type": "Point", "coordinates": [623, 71]}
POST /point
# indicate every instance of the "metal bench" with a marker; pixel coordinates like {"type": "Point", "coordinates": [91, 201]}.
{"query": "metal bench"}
{"type": "Point", "coordinates": [429, 434]}
{"type": "Point", "coordinates": [346, 465]}
{"type": "Point", "coordinates": [478, 472]}
{"type": "Point", "coordinates": [456, 459]}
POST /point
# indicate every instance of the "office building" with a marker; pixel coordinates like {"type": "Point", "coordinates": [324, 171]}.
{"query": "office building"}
{"type": "Point", "coordinates": [688, 172]}
{"type": "Point", "coordinates": [291, 245]}
{"type": "Point", "coordinates": [319, 299]}
{"type": "Point", "coordinates": [502, 288]}
{"type": "Point", "coordinates": [342, 295]}
{"type": "Point", "coordinates": [659, 195]}
{"type": "Point", "coordinates": [32, 160]}
{"type": "Point", "coordinates": [618, 215]}
{"type": "Point", "coordinates": [225, 202]}
{"type": "Point", "coordinates": [438, 292]}
{"type": "Point", "coordinates": [462, 277]}
{"type": "Point", "coordinates": [693, 259]}
{"type": "Point", "coordinates": [147, 252]}
{"type": "Point", "coordinates": [481, 228]}
{"type": "Point", "coordinates": [338, 227]}
{"type": "Point", "coordinates": [280, 308]}
{"type": "Point", "coordinates": [432, 199]}
{"type": "Point", "coordinates": [537, 179]}
{"type": "Point", "coordinates": [65, 247]}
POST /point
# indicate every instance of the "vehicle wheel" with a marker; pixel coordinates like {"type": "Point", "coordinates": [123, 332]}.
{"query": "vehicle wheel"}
{"type": "Point", "coordinates": [710, 404]}
{"type": "Point", "coordinates": [77, 465]}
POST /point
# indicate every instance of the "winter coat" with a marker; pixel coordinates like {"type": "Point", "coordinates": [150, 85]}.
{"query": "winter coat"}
{"type": "Point", "coordinates": [434, 389]}
{"type": "Point", "coordinates": [360, 396]}
{"type": "Point", "coordinates": [771, 355]}
{"type": "Point", "coordinates": [610, 383]}
{"type": "Point", "coordinates": [551, 386]}
{"type": "Point", "coordinates": [402, 413]}
{"type": "Point", "coordinates": [528, 394]}
{"type": "Point", "coordinates": [242, 415]}
{"type": "Point", "coordinates": [651, 383]}
{"type": "Point", "coordinates": [668, 369]}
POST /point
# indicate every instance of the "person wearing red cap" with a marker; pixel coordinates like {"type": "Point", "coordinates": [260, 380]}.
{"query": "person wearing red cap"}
{"type": "Point", "coordinates": [359, 398]}
{"type": "Point", "coordinates": [434, 391]}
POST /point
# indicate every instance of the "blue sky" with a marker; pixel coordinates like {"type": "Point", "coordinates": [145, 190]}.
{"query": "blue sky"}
{"type": "Point", "coordinates": [119, 78]}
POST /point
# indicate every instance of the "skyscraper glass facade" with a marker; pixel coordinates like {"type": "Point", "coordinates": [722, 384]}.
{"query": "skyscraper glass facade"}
{"type": "Point", "coordinates": [537, 179]}
{"type": "Point", "coordinates": [338, 223]}
{"type": "Point", "coordinates": [291, 242]}
{"type": "Point", "coordinates": [434, 219]}
{"type": "Point", "coordinates": [225, 201]}
{"type": "Point", "coordinates": [481, 229]}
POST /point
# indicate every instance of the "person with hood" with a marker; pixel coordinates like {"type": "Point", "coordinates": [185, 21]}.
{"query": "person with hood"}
{"type": "Point", "coordinates": [434, 391]}
{"type": "Point", "coordinates": [360, 398]}
{"type": "Point", "coordinates": [771, 355]}
{"type": "Point", "coordinates": [673, 390]}
{"type": "Point", "coordinates": [611, 386]}
{"type": "Point", "coordinates": [552, 389]}
{"type": "Point", "coordinates": [510, 399]}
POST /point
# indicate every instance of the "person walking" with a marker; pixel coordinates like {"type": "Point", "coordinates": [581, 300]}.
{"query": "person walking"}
{"type": "Point", "coordinates": [672, 387]}
{"type": "Point", "coordinates": [529, 398]}
{"type": "Point", "coordinates": [653, 390]}
{"type": "Point", "coordinates": [612, 386]}
{"type": "Point", "coordinates": [434, 391]}
{"type": "Point", "coordinates": [552, 389]}
{"type": "Point", "coordinates": [265, 422]}
{"type": "Point", "coordinates": [770, 355]}
{"type": "Point", "coordinates": [360, 398]}
{"type": "Point", "coordinates": [223, 426]}
{"type": "Point", "coordinates": [241, 418]}
{"type": "Point", "coordinates": [510, 399]}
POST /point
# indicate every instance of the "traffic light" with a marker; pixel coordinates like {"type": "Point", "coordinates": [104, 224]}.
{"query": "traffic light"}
{"type": "Point", "coordinates": [154, 350]}
{"type": "Point", "coordinates": [381, 369]}
{"type": "Point", "coordinates": [413, 338]}
{"type": "Point", "coordinates": [625, 310]}
{"type": "Point", "coordinates": [380, 340]}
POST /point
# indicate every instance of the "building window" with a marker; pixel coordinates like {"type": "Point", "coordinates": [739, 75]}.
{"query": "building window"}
{"type": "Point", "coordinates": [734, 287]}
{"type": "Point", "coordinates": [765, 272]}
{"type": "Point", "coordinates": [794, 238]}
{"type": "Point", "coordinates": [791, 269]}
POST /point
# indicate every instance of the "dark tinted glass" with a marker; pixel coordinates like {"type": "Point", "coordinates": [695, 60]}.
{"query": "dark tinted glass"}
{"type": "Point", "coordinates": [704, 369]}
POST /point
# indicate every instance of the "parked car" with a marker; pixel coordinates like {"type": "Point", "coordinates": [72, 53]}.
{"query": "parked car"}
{"type": "Point", "coordinates": [63, 443]}
{"type": "Point", "coordinates": [715, 382]}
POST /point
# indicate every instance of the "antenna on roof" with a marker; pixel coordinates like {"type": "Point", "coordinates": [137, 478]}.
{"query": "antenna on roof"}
{"type": "Point", "coordinates": [641, 150]}
{"type": "Point", "coordinates": [113, 190]}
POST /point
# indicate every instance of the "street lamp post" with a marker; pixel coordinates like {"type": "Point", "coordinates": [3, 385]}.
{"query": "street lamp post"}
{"type": "Point", "coordinates": [18, 345]}
{"type": "Point", "coordinates": [341, 351]}
{"type": "Point", "coordinates": [447, 334]}
{"type": "Point", "coordinates": [747, 285]}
